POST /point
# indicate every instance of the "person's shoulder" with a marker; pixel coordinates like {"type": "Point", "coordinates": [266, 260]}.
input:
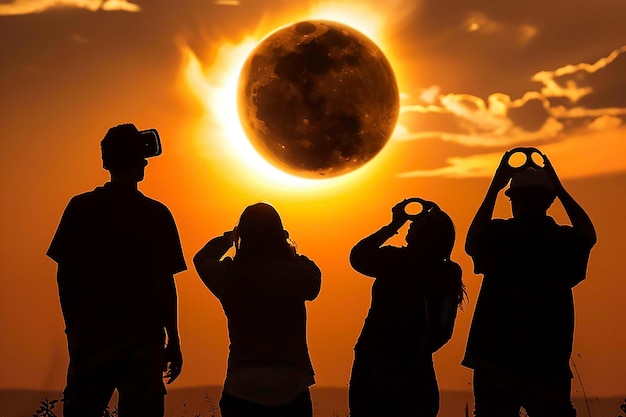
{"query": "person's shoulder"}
{"type": "Point", "coordinates": [300, 258]}
{"type": "Point", "coordinates": [570, 233]}
{"type": "Point", "coordinates": [154, 204]}
{"type": "Point", "coordinates": [305, 261]}
{"type": "Point", "coordinates": [86, 197]}
{"type": "Point", "coordinates": [565, 229]}
{"type": "Point", "coordinates": [496, 226]}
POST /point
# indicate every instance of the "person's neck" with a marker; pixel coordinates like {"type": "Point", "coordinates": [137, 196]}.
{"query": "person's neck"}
{"type": "Point", "coordinates": [121, 180]}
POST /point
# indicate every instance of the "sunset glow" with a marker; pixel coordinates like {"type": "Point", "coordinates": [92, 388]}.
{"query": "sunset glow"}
{"type": "Point", "coordinates": [475, 79]}
{"type": "Point", "coordinates": [214, 84]}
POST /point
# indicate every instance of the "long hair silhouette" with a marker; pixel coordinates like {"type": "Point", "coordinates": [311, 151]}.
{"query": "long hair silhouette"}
{"type": "Point", "coordinates": [260, 233]}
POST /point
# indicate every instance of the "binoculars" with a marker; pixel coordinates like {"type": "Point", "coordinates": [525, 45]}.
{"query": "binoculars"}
{"type": "Point", "coordinates": [522, 158]}
{"type": "Point", "coordinates": [426, 206]}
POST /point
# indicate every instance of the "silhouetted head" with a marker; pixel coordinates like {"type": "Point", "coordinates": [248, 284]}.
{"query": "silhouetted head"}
{"type": "Point", "coordinates": [531, 191]}
{"type": "Point", "coordinates": [261, 233]}
{"type": "Point", "coordinates": [121, 149]}
{"type": "Point", "coordinates": [432, 234]}
{"type": "Point", "coordinates": [125, 149]}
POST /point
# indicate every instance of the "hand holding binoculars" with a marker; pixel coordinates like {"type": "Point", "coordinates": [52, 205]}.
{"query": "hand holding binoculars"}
{"type": "Point", "coordinates": [408, 207]}
{"type": "Point", "coordinates": [521, 158]}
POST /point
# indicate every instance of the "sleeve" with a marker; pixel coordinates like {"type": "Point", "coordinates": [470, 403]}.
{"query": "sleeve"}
{"type": "Point", "coordinates": [367, 256]}
{"type": "Point", "coordinates": [63, 250]}
{"type": "Point", "coordinates": [483, 256]}
{"type": "Point", "coordinates": [576, 255]}
{"type": "Point", "coordinates": [311, 277]}
{"type": "Point", "coordinates": [173, 249]}
{"type": "Point", "coordinates": [62, 243]}
{"type": "Point", "coordinates": [208, 265]}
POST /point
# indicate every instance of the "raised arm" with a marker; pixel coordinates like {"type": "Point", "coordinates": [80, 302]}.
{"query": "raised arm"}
{"type": "Point", "coordinates": [207, 258]}
{"type": "Point", "coordinates": [577, 215]}
{"type": "Point", "coordinates": [310, 277]}
{"type": "Point", "coordinates": [485, 212]}
{"type": "Point", "coordinates": [363, 256]}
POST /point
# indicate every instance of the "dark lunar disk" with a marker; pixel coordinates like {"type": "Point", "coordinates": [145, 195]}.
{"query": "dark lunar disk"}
{"type": "Point", "coordinates": [318, 99]}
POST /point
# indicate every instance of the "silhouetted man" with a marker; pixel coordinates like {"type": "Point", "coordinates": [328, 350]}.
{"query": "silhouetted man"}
{"type": "Point", "coordinates": [521, 335]}
{"type": "Point", "coordinates": [117, 252]}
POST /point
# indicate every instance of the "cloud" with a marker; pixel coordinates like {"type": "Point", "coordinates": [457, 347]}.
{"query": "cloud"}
{"type": "Point", "coordinates": [22, 7]}
{"type": "Point", "coordinates": [577, 81]}
{"type": "Point", "coordinates": [471, 121]}
{"type": "Point", "coordinates": [480, 23]}
{"type": "Point", "coordinates": [577, 106]}
{"type": "Point", "coordinates": [566, 156]}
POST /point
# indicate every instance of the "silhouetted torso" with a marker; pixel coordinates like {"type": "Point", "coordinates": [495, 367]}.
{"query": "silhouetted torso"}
{"type": "Point", "coordinates": [393, 373]}
{"type": "Point", "coordinates": [264, 302]}
{"type": "Point", "coordinates": [113, 245]}
{"type": "Point", "coordinates": [525, 315]}
{"type": "Point", "coordinates": [396, 325]}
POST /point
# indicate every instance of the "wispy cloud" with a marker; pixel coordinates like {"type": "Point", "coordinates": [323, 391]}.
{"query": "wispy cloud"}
{"type": "Point", "coordinates": [566, 156]}
{"type": "Point", "coordinates": [22, 7]}
{"type": "Point", "coordinates": [574, 81]}
{"type": "Point", "coordinates": [576, 106]}
{"type": "Point", "coordinates": [480, 23]}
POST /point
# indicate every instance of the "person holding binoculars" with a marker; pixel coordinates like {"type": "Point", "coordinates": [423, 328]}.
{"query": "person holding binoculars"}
{"type": "Point", "coordinates": [415, 296]}
{"type": "Point", "coordinates": [263, 289]}
{"type": "Point", "coordinates": [520, 339]}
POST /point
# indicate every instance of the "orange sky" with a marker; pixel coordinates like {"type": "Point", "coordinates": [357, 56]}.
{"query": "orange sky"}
{"type": "Point", "coordinates": [474, 80]}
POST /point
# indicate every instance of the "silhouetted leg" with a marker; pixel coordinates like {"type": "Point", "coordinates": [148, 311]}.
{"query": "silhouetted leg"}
{"type": "Point", "coordinates": [495, 394]}
{"type": "Point", "coordinates": [89, 385]}
{"type": "Point", "coordinates": [549, 395]}
{"type": "Point", "coordinates": [390, 388]}
{"type": "Point", "coordinates": [141, 388]}
{"type": "Point", "coordinates": [364, 393]}
{"type": "Point", "coordinates": [301, 406]}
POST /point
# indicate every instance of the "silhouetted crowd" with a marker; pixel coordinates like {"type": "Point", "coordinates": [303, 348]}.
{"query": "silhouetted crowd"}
{"type": "Point", "coordinates": [118, 251]}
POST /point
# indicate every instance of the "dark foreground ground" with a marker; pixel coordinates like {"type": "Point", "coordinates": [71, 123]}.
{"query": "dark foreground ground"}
{"type": "Point", "coordinates": [328, 402]}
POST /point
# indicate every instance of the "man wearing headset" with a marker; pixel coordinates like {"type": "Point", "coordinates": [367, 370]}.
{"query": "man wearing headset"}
{"type": "Point", "coordinates": [117, 252]}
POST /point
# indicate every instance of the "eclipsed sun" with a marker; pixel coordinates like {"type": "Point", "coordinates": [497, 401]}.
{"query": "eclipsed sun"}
{"type": "Point", "coordinates": [317, 99]}
{"type": "Point", "coordinates": [314, 99]}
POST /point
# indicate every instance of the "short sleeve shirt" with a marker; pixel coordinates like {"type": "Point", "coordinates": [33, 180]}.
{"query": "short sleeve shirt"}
{"type": "Point", "coordinates": [114, 244]}
{"type": "Point", "coordinates": [524, 314]}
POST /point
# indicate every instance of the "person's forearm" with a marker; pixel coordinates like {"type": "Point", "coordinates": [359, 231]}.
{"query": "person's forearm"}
{"type": "Point", "coordinates": [171, 312]}
{"type": "Point", "coordinates": [69, 296]}
{"type": "Point", "coordinates": [378, 238]}
{"type": "Point", "coordinates": [481, 219]}
{"type": "Point", "coordinates": [577, 215]}
{"type": "Point", "coordinates": [211, 253]}
{"type": "Point", "coordinates": [363, 255]}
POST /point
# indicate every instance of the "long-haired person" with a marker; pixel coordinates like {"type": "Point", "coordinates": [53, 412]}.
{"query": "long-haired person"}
{"type": "Point", "coordinates": [415, 296]}
{"type": "Point", "coordinates": [263, 290]}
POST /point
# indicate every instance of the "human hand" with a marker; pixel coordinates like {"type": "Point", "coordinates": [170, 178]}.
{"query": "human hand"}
{"type": "Point", "coordinates": [173, 361]}
{"type": "Point", "coordinates": [503, 173]}
{"type": "Point", "coordinates": [231, 235]}
{"type": "Point", "coordinates": [554, 178]}
{"type": "Point", "coordinates": [399, 214]}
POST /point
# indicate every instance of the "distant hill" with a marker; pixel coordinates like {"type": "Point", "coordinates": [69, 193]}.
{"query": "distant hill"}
{"type": "Point", "coordinates": [327, 402]}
